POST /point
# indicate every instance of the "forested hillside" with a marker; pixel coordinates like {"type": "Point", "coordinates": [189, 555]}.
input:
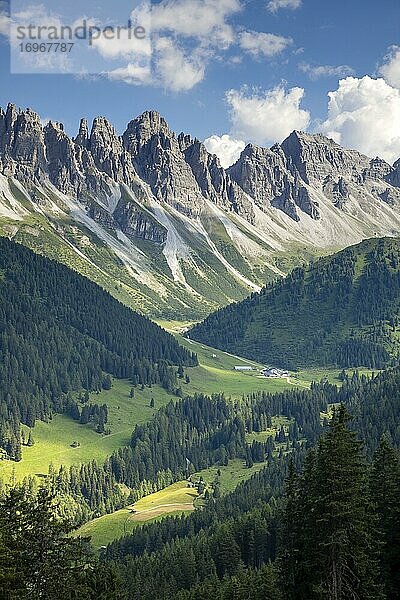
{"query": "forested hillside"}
{"type": "Point", "coordinates": [343, 310]}
{"type": "Point", "coordinates": [337, 524]}
{"type": "Point", "coordinates": [257, 537]}
{"type": "Point", "coordinates": [61, 333]}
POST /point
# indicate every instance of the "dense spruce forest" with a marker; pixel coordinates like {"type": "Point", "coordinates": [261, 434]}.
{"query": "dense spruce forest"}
{"type": "Point", "coordinates": [321, 520]}
{"type": "Point", "coordinates": [342, 310]}
{"type": "Point", "coordinates": [256, 537]}
{"type": "Point", "coordinates": [229, 544]}
{"type": "Point", "coordinates": [194, 433]}
{"type": "Point", "coordinates": [61, 333]}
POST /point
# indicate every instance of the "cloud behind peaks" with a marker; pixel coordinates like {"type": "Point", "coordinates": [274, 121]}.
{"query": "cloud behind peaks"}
{"type": "Point", "coordinates": [227, 148]}
{"type": "Point", "coordinates": [268, 116]}
{"type": "Point", "coordinates": [365, 114]}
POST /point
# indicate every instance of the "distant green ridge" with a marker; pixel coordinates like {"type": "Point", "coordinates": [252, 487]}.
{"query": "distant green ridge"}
{"type": "Point", "coordinates": [342, 310]}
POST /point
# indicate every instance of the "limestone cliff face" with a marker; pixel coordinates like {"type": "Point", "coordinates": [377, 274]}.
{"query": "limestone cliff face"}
{"type": "Point", "coordinates": [215, 183]}
{"type": "Point", "coordinates": [394, 176]}
{"type": "Point", "coordinates": [316, 156]}
{"type": "Point", "coordinates": [62, 166]}
{"type": "Point", "coordinates": [134, 222]}
{"type": "Point", "coordinates": [294, 175]}
{"type": "Point", "coordinates": [137, 223]}
{"type": "Point", "coordinates": [22, 148]}
{"type": "Point", "coordinates": [337, 191]}
{"type": "Point", "coordinates": [264, 175]}
{"type": "Point", "coordinates": [159, 161]}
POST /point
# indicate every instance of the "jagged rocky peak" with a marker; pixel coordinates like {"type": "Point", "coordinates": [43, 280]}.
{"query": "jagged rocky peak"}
{"type": "Point", "coordinates": [27, 138]}
{"type": "Point", "coordinates": [378, 169]}
{"type": "Point", "coordinates": [315, 157]}
{"type": "Point", "coordinates": [103, 133]}
{"type": "Point", "coordinates": [185, 141]}
{"type": "Point", "coordinates": [103, 149]}
{"type": "Point", "coordinates": [394, 176]}
{"type": "Point", "coordinates": [108, 152]}
{"type": "Point", "coordinates": [295, 177]}
{"type": "Point", "coordinates": [55, 131]}
{"type": "Point", "coordinates": [7, 127]}
{"type": "Point", "coordinates": [158, 159]}
{"type": "Point", "coordinates": [11, 114]}
{"type": "Point", "coordinates": [3, 131]}
{"type": "Point", "coordinates": [259, 172]}
{"type": "Point", "coordinates": [82, 139]}
{"type": "Point", "coordinates": [140, 130]}
{"type": "Point", "coordinates": [61, 164]}
{"type": "Point", "coordinates": [264, 175]}
{"type": "Point", "coordinates": [319, 159]}
{"type": "Point", "coordinates": [215, 183]}
{"type": "Point", "coordinates": [23, 153]}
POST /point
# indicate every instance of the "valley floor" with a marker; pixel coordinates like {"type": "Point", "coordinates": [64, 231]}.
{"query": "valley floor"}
{"type": "Point", "coordinates": [53, 439]}
{"type": "Point", "coordinates": [215, 374]}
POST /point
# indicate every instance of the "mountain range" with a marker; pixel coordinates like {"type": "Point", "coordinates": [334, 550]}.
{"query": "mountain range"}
{"type": "Point", "coordinates": [154, 218]}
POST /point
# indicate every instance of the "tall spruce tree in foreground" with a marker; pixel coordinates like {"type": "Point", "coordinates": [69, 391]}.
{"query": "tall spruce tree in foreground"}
{"type": "Point", "coordinates": [385, 491]}
{"type": "Point", "coordinates": [38, 557]}
{"type": "Point", "coordinates": [330, 543]}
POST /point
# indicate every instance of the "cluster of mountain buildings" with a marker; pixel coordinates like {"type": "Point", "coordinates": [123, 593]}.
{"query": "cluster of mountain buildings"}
{"type": "Point", "coordinates": [267, 372]}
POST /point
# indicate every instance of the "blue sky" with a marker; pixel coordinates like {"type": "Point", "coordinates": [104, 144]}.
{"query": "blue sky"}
{"type": "Point", "coordinates": [225, 78]}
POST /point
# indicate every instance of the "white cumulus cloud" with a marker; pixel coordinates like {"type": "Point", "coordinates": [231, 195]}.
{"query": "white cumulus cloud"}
{"type": "Point", "coordinates": [125, 45]}
{"type": "Point", "coordinates": [365, 114]}
{"type": "Point", "coordinates": [132, 74]}
{"type": "Point", "coordinates": [275, 5]}
{"type": "Point", "coordinates": [175, 69]}
{"type": "Point", "coordinates": [5, 21]}
{"type": "Point", "coordinates": [4, 26]}
{"type": "Point", "coordinates": [186, 35]}
{"type": "Point", "coordinates": [227, 148]}
{"type": "Point", "coordinates": [390, 70]}
{"type": "Point", "coordinates": [318, 71]}
{"type": "Point", "coordinates": [266, 117]}
{"type": "Point", "coordinates": [204, 19]}
{"type": "Point", "coordinates": [260, 44]}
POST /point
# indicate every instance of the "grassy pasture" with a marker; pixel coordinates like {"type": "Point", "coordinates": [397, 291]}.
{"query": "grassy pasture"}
{"type": "Point", "coordinates": [176, 499]}
{"type": "Point", "coordinates": [53, 439]}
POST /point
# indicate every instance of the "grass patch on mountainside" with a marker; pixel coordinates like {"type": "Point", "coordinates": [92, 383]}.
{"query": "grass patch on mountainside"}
{"type": "Point", "coordinates": [230, 475]}
{"type": "Point", "coordinates": [307, 376]}
{"type": "Point", "coordinates": [53, 439]}
{"type": "Point", "coordinates": [176, 499]}
{"type": "Point", "coordinates": [262, 436]}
